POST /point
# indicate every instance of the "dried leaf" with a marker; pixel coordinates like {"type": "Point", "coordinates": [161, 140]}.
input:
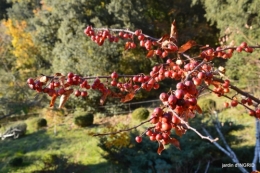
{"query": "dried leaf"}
{"type": "Point", "coordinates": [43, 79]}
{"type": "Point", "coordinates": [215, 83]}
{"type": "Point", "coordinates": [175, 142]}
{"type": "Point", "coordinates": [173, 31]}
{"type": "Point", "coordinates": [150, 53]}
{"type": "Point", "coordinates": [64, 97]}
{"type": "Point", "coordinates": [53, 99]}
{"type": "Point", "coordinates": [179, 130]}
{"type": "Point", "coordinates": [127, 45]}
{"type": "Point", "coordinates": [57, 74]}
{"type": "Point", "coordinates": [163, 38]}
{"type": "Point", "coordinates": [62, 80]}
{"type": "Point", "coordinates": [103, 99]}
{"type": "Point", "coordinates": [128, 97]}
{"type": "Point", "coordinates": [160, 148]}
{"type": "Point", "coordinates": [187, 46]}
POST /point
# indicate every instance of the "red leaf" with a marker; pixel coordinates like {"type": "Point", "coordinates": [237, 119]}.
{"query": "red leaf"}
{"type": "Point", "coordinates": [187, 46]}
{"type": "Point", "coordinates": [179, 131]}
{"type": "Point", "coordinates": [150, 53]}
{"type": "Point", "coordinates": [198, 109]}
{"type": "Point", "coordinates": [53, 99]}
{"type": "Point", "coordinates": [128, 97]}
{"type": "Point", "coordinates": [175, 142]}
{"type": "Point", "coordinates": [160, 148]}
{"type": "Point", "coordinates": [127, 45]}
{"type": "Point", "coordinates": [103, 99]}
{"type": "Point", "coordinates": [215, 83]}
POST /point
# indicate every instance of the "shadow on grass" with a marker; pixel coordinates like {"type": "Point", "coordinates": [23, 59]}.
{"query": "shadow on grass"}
{"type": "Point", "coordinates": [11, 148]}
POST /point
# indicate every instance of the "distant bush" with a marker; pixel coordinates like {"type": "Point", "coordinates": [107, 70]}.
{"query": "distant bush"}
{"type": "Point", "coordinates": [41, 122]}
{"type": "Point", "coordinates": [207, 105]}
{"type": "Point", "coordinates": [140, 114]}
{"type": "Point", "coordinates": [83, 119]}
{"type": "Point", "coordinates": [16, 161]}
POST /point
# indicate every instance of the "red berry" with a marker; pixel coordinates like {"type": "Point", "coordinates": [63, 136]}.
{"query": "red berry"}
{"type": "Point", "coordinates": [30, 81]}
{"type": "Point", "coordinates": [158, 112]}
{"type": "Point", "coordinates": [179, 94]}
{"type": "Point", "coordinates": [166, 127]}
{"type": "Point", "coordinates": [84, 93]}
{"type": "Point", "coordinates": [172, 99]}
{"type": "Point", "coordinates": [226, 104]}
{"type": "Point", "coordinates": [243, 45]}
{"type": "Point", "coordinates": [239, 49]}
{"type": "Point", "coordinates": [252, 113]}
{"type": "Point", "coordinates": [77, 93]}
{"type": "Point", "coordinates": [163, 97]}
{"type": "Point", "coordinates": [138, 139]}
{"type": "Point", "coordinates": [138, 32]}
{"type": "Point", "coordinates": [141, 37]}
{"type": "Point", "coordinates": [158, 52]}
{"type": "Point", "coordinates": [165, 54]}
{"type": "Point", "coordinates": [159, 137]}
{"type": "Point", "coordinates": [234, 103]}
{"type": "Point", "coordinates": [70, 75]}
{"type": "Point", "coordinates": [114, 75]}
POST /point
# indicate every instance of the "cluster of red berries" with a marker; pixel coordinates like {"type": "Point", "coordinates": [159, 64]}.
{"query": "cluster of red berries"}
{"type": "Point", "coordinates": [164, 123]}
{"type": "Point", "coordinates": [224, 53]}
{"type": "Point", "coordinates": [100, 36]}
{"type": "Point", "coordinates": [244, 47]}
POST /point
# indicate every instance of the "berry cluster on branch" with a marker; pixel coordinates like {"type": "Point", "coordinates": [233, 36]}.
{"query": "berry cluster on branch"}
{"type": "Point", "coordinates": [195, 74]}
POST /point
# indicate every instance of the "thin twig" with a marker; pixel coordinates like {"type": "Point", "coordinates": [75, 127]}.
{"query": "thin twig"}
{"type": "Point", "coordinates": [124, 30]}
{"type": "Point", "coordinates": [193, 129]}
{"type": "Point", "coordinates": [196, 68]}
{"type": "Point", "coordinates": [232, 99]}
{"type": "Point", "coordinates": [124, 130]}
{"type": "Point", "coordinates": [246, 94]}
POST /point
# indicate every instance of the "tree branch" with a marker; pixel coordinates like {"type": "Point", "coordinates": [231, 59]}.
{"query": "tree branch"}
{"type": "Point", "coordinates": [257, 145]}
{"type": "Point", "coordinates": [193, 129]}
{"type": "Point", "coordinates": [229, 151]}
{"type": "Point", "coordinates": [246, 94]}
{"type": "Point", "coordinates": [124, 130]}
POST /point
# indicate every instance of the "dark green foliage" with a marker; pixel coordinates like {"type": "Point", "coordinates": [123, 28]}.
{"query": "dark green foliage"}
{"type": "Point", "coordinates": [16, 162]}
{"type": "Point", "coordinates": [207, 105]}
{"type": "Point", "coordinates": [59, 164]}
{"type": "Point", "coordinates": [140, 114]}
{"type": "Point", "coordinates": [83, 119]}
{"type": "Point", "coordinates": [238, 22]}
{"type": "Point", "coordinates": [41, 122]}
{"type": "Point", "coordinates": [194, 155]}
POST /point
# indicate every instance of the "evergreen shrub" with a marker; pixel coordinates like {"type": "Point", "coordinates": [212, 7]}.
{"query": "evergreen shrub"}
{"type": "Point", "coordinates": [140, 114]}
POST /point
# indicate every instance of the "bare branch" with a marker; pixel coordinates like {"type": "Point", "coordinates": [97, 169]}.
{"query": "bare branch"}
{"type": "Point", "coordinates": [257, 146]}
{"type": "Point", "coordinates": [246, 94]}
{"type": "Point", "coordinates": [229, 151]}
{"type": "Point", "coordinates": [123, 130]}
{"type": "Point", "coordinates": [193, 129]}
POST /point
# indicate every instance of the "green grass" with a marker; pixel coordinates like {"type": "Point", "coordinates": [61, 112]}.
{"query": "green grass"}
{"type": "Point", "coordinates": [236, 116]}
{"type": "Point", "coordinates": [76, 144]}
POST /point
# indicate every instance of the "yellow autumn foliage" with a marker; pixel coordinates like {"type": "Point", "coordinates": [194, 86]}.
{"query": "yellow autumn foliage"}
{"type": "Point", "coordinates": [23, 46]}
{"type": "Point", "coordinates": [118, 140]}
